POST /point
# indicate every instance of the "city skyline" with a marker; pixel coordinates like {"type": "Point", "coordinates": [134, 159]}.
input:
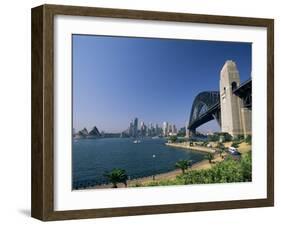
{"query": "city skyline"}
{"type": "Point", "coordinates": [116, 79]}
{"type": "Point", "coordinates": [140, 124]}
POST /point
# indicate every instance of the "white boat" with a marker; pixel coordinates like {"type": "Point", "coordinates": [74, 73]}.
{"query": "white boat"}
{"type": "Point", "coordinates": [155, 137]}
{"type": "Point", "coordinates": [136, 141]}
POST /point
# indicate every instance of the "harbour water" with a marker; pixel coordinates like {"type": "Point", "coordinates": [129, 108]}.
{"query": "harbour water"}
{"type": "Point", "coordinates": [91, 158]}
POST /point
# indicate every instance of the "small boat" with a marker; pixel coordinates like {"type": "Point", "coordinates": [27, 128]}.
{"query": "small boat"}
{"type": "Point", "coordinates": [155, 137]}
{"type": "Point", "coordinates": [136, 141]}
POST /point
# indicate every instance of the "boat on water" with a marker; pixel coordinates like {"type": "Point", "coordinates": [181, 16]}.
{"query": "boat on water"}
{"type": "Point", "coordinates": [155, 137]}
{"type": "Point", "coordinates": [136, 141]}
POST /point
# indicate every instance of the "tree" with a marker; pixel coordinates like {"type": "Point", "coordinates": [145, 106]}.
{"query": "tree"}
{"type": "Point", "coordinates": [235, 144]}
{"type": "Point", "coordinates": [173, 139]}
{"type": "Point", "coordinates": [214, 137]}
{"type": "Point", "coordinates": [183, 165]}
{"type": "Point", "coordinates": [248, 139]}
{"type": "Point", "coordinates": [227, 137]}
{"type": "Point", "coordinates": [117, 176]}
{"type": "Point", "coordinates": [221, 148]}
{"type": "Point", "coordinates": [210, 157]}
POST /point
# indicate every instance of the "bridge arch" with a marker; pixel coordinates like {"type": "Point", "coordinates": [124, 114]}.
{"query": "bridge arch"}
{"type": "Point", "coordinates": [205, 107]}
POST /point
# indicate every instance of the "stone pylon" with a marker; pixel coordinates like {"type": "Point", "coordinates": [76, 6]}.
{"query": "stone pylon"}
{"type": "Point", "coordinates": [231, 105]}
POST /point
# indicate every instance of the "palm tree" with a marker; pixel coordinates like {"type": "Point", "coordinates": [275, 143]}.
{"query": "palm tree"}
{"type": "Point", "coordinates": [221, 149]}
{"type": "Point", "coordinates": [183, 165]}
{"type": "Point", "coordinates": [117, 176]}
{"type": "Point", "coordinates": [210, 157]}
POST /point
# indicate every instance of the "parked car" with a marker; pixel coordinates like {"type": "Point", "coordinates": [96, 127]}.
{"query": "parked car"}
{"type": "Point", "coordinates": [232, 150]}
{"type": "Point", "coordinates": [235, 154]}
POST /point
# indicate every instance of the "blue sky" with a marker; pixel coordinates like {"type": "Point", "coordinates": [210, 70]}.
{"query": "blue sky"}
{"type": "Point", "coordinates": [117, 78]}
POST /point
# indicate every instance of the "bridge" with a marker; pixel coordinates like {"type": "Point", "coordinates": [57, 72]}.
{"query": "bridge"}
{"type": "Point", "coordinates": [205, 108]}
{"type": "Point", "coordinates": [207, 105]}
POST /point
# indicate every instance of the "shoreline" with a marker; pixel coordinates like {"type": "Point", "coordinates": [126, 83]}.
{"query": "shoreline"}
{"type": "Point", "coordinates": [204, 164]}
{"type": "Point", "coordinates": [200, 165]}
{"type": "Point", "coordinates": [185, 145]}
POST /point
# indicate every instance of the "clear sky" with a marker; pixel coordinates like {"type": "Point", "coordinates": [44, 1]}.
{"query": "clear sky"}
{"type": "Point", "coordinates": [116, 78]}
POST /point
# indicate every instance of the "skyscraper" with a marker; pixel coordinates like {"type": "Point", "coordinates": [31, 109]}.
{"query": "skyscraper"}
{"type": "Point", "coordinates": [131, 129]}
{"type": "Point", "coordinates": [156, 129]}
{"type": "Point", "coordinates": [135, 127]}
{"type": "Point", "coordinates": [142, 129]}
{"type": "Point", "coordinates": [174, 129]}
{"type": "Point", "coordinates": [170, 129]}
{"type": "Point", "coordinates": [165, 128]}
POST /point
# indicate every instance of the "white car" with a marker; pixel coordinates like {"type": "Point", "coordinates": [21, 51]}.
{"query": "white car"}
{"type": "Point", "coordinates": [232, 150]}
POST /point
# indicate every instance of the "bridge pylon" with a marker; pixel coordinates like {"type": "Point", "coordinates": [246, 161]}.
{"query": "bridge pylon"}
{"type": "Point", "coordinates": [232, 113]}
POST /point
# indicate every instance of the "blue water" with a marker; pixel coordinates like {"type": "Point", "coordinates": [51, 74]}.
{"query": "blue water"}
{"type": "Point", "coordinates": [91, 158]}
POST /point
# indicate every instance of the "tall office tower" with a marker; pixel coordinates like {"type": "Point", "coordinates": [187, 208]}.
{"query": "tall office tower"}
{"type": "Point", "coordinates": [142, 128]}
{"type": "Point", "coordinates": [151, 129]}
{"type": "Point", "coordinates": [174, 129]}
{"type": "Point", "coordinates": [135, 127]}
{"type": "Point", "coordinates": [156, 129]}
{"type": "Point", "coordinates": [131, 129]}
{"type": "Point", "coordinates": [165, 129]}
{"type": "Point", "coordinates": [170, 128]}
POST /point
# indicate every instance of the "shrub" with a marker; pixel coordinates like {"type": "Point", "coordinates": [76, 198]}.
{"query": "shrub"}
{"type": "Point", "coordinates": [214, 137]}
{"type": "Point", "coordinates": [239, 138]}
{"type": "Point", "coordinates": [226, 137]}
{"type": "Point", "coordinates": [173, 139]}
{"type": "Point", "coordinates": [248, 139]}
{"type": "Point", "coordinates": [224, 172]}
{"type": "Point", "coordinates": [246, 164]}
{"type": "Point", "coordinates": [205, 143]}
{"type": "Point", "coordinates": [217, 137]}
{"type": "Point", "coordinates": [235, 144]}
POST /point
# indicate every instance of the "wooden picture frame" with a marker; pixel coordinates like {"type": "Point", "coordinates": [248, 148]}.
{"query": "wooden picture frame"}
{"type": "Point", "coordinates": [42, 203]}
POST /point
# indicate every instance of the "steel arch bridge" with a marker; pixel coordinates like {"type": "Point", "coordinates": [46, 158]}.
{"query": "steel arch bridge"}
{"type": "Point", "coordinates": [205, 107]}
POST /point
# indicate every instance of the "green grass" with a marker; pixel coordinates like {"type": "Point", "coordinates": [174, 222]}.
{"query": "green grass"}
{"type": "Point", "coordinates": [223, 172]}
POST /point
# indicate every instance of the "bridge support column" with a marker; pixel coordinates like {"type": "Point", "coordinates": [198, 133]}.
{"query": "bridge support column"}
{"type": "Point", "coordinates": [231, 120]}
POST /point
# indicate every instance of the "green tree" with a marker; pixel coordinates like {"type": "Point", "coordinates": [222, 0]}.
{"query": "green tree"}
{"type": "Point", "coordinates": [221, 148]}
{"type": "Point", "coordinates": [183, 165]}
{"type": "Point", "coordinates": [214, 137]}
{"type": "Point", "coordinates": [210, 157]}
{"type": "Point", "coordinates": [227, 137]}
{"type": "Point", "coordinates": [248, 139]}
{"type": "Point", "coordinates": [173, 139]}
{"type": "Point", "coordinates": [117, 176]}
{"type": "Point", "coordinates": [235, 144]}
